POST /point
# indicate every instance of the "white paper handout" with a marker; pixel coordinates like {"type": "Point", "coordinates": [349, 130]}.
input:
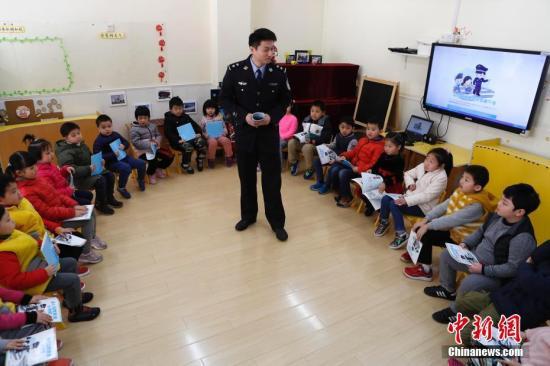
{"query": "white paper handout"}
{"type": "Point", "coordinates": [40, 348]}
{"type": "Point", "coordinates": [414, 246]}
{"type": "Point", "coordinates": [312, 129]}
{"type": "Point", "coordinates": [50, 306]}
{"type": "Point", "coordinates": [326, 154]}
{"type": "Point", "coordinates": [461, 255]}
{"type": "Point", "coordinates": [70, 240]}
{"type": "Point", "coordinates": [301, 136]}
{"type": "Point", "coordinates": [86, 216]}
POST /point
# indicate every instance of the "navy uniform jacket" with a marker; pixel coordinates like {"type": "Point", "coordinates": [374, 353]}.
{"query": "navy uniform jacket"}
{"type": "Point", "coordinates": [242, 94]}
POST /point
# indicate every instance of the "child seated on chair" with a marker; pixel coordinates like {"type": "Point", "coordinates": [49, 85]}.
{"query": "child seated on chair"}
{"type": "Point", "coordinates": [57, 177]}
{"type": "Point", "coordinates": [22, 267]}
{"type": "Point", "coordinates": [504, 241]}
{"type": "Point", "coordinates": [390, 166]}
{"type": "Point", "coordinates": [424, 184]}
{"type": "Point", "coordinates": [527, 294]}
{"type": "Point", "coordinates": [211, 113]}
{"type": "Point", "coordinates": [73, 152]}
{"type": "Point", "coordinates": [172, 120]}
{"type": "Point", "coordinates": [52, 206]}
{"type": "Point", "coordinates": [113, 163]}
{"type": "Point", "coordinates": [452, 220]}
{"type": "Point", "coordinates": [350, 164]}
{"type": "Point", "coordinates": [317, 115]}
{"type": "Point", "coordinates": [345, 140]}
{"type": "Point", "coordinates": [287, 128]}
{"type": "Point", "coordinates": [145, 137]}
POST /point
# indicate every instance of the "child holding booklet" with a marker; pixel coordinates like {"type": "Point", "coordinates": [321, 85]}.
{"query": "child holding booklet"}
{"type": "Point", "coordinates": [452, 220]}
{"type": "Point", "coordinates": [504, 241]}
{"type": "Point", "coordinates": [211, 113]}
{"type": "Point", "coordinates": [52, 206]}
{"type": "Point", "coordinates": [113, 162]}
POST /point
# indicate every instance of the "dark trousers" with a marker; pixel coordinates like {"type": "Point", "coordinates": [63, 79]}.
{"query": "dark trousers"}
{"type": "Point", "coordinates": [187, 150]}
{"type": "Point", "coordinates": [340, 175]}
{"type": "Point", "coordinates": [388, 205]}
{"type": "Point", "coordinates": [318, 167]}
{"type": "Point", "coordinates": [270, 162]}
{"type": "Point", "coordinates": [160, 161]}
{"type": "Point", "coordinates": [83, 197]}
{"type": "Point", "coordinates": [124, 168]}
{"type": "Point", "coordinates": [430, 239]}
{"type": "Point", "coordinates": [104, 187]}
{"type": "Point", "coordinates": [67, 279]}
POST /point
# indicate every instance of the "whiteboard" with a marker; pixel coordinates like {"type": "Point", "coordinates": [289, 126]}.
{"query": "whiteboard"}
{"type": "Point", "coordinates": [95, 63]}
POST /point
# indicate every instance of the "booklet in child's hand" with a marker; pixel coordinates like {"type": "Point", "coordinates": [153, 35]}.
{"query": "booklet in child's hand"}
{"type": "Point", "coordinates": [186, 132]}
{"type": "Point", "coordinates": [214, 129]}
{"type": "Point", "coordinates": [48, 251]}
{"type": "Point", "coordinates": [461, 255]}
{"type": "Point", "coordinates": [39, 348]}
{"type": "Point", "coordinates": [150, 155]}
{"type": "Point", "coordinates": [97, 162]}
{"type": "Point", "coordinates": [414, 246]}
{"type": "Point", "coordinates": [115, 146]}
{"type": "Point", "coordinates": [326, 154]}
{"type": "Point", "coordinates": [86, 216]}
{"type": "Point", "coordinates": [301, 136]}
{"type": "Point", "coordinates": [50, 306]}
{"type": "Point", "coordinates": [70, 240]}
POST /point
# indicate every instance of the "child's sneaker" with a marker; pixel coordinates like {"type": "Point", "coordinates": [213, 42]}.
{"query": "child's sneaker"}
{"type": "Point", "coordinates": [382, 228]}
{"type": "Point", "coordinates": [369, 210]}
{"type": "Point", "coordinates": [153, 179]}
{"type": "Point", "coordinates": [211, 163]}
{"type": "Point", "coordinates": [229, 162]}
{"type": "Point", "coordinates": [83, 271]}
{"type": "Point", "coordinates": [317, 186]}
{"type": "Point", "coordinates": [200, 164]}
{"type": "Point", "coordinates": [406, 257]}
{"type": "Point", "coordinates": [188, 169]}
{"type": "Point", "coordinates": [294, 168]}
{"type": "Point", "coordinates": [324, 189]}
{"type": "Point", "coordinates": [417, 273]}
{"type": "Point", "coordinates": [160, 173]}
{"type": "Point", "coordinates": [114, 203]}
{"type": "Point", "coordinates": [104, 208]}
{"type": "Point", "coordinates": [124, 193]}
{"type": "Point", "coordinates": [399, 241]}
{"type": "Point", "coordinates": [90, 258]}
{"type": "Point", "coordinates": [308, 174]}
{"type": "Point", "coordinates": [82, 286]}
{"type": "Point", "coordinates": [440, 292]}
{"type": "Point", "coordinates": [343, 203]}
{"type": "Point", "coordinates": [141, 184]}
{"type": "Point", "coordinates": [83, 313]}
{"type": "Point", "coordinates": [444, 316]}
{"type": "Point", "coordinates": [98, 244]}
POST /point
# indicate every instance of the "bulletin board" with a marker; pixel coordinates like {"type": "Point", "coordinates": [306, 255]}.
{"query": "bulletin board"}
{"type": "Point", "coordinates": [72, 56]}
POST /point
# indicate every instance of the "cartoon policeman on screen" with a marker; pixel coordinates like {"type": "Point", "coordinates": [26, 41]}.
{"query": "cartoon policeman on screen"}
{"type": "Point", "coordinates": [479, 79]}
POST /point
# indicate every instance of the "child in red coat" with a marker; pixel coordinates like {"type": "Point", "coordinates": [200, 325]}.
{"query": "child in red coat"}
{"type": "Point", "coordinates": [57, 177]}
{"type": "Point", "coordinates": [53, 206]}
{"type": "Point", "coordinates": [350, 164]}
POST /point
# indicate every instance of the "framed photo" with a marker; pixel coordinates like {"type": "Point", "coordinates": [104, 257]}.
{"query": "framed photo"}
{"type": "Point", "coordinates": [117, 99]}
{"type": "Point", "coordinates": [302, 56]}
{"type": "Point", "coordinates": [164, 94]}
{"type": "Point", "coordinates": [316, 59]}
{"type": "Point", "coordinates": [190, 106]}
{"type": "Point", "coordinates": [290, 59]}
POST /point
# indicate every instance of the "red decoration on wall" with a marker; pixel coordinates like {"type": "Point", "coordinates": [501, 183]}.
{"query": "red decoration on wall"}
{"type": "Point", "coordinates": [161, 75]}
{"type": "Point", "coordinates": [162, 43]}
{"type": "Point", "coordinates": [159, 29]}
{"type": "Point", "coordinates": [161, 61]}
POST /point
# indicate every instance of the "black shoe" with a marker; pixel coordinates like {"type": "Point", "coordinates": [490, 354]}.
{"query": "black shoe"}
{"type": "Point", "coordinates": [243, 224]}
{"type": "Point", "coordinates": [86, 297]}
{"type": "Point", "coordinates": [369, 210]}
{"type": "Point", "coordinates": [444, 316]}
{"type": "Point", "coordinates": [281, 234]}
{"type": "Point", "coordinates": [83, 313]}
{"type": "Point", "coordinates": [113, 202]}
{"type": "Point", "coordinates": [200, 164]}
{"type": "Point", "coordinates": [188, 169]}
{"type": "Point", "coordinates": [439, 292]}
{"type": "Point", "coordinates": [337, 199]}
{"type": "Point", "coordinates": [104, 209]}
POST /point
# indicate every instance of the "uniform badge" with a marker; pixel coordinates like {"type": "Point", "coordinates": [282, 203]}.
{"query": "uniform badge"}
{"type": "Point", "coordinates": [270, 69]}
{"type": "Point", "coordinates": [245, 68]}
{"type": "Point", "coordinates": [242, 83]}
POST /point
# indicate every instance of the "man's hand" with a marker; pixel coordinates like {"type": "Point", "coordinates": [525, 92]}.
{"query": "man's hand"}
{"type": "Point", "coordinates": [251, 121]}
{"type": "Point", "coordinates": [265, 121]}
{"type": "Point", "coordinates": [475, 268]}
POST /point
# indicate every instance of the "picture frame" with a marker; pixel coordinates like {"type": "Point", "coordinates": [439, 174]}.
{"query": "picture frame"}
{"type": "Point", "coordinates": [289, 59]}
{"type": "Point", "coordinates": [190, 106]}
{"type": "Point", "coordinates": [118, 99]}
{"type": "Point", "coordinates": [316, 59]}
{"type": "Point", "coordinates": [302, 56]}
{"type": "Point", "coordinates": [163, 94]}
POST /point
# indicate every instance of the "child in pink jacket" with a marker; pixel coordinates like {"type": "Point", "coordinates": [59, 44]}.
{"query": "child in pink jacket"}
{"type": "Point", "coordinates": [58, 177]}
{"type": "Point", "coordinates": [287, 128]}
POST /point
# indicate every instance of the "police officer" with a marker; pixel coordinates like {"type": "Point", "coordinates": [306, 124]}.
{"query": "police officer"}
{"type": "Point", "coordinates": [258, 85]}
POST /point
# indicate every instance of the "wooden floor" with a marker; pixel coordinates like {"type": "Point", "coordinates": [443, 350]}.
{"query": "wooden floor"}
{"type": "Point", "coordinates": [179, 286]}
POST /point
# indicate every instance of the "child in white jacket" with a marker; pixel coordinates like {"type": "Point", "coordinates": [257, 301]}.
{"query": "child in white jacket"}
{"type": "Point", "coordinates": [424, 184]}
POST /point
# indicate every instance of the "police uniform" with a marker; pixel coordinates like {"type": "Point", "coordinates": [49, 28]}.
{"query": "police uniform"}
{"type": "Point", "coordinates": [242, 93]}
{"type": "Point", "coordinates": [480, 69]}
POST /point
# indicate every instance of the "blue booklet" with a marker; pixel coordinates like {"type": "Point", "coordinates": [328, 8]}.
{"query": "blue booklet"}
{"type": "Point", "coordinates": [186, 131]}
{"type": "Point", "coordinates": [214, 129]}
{"type": "Point", "coordinates": [115, 146]}
{"type": "Point", "coordinates": [97, 162]}
{"type": "Point", "coordinates": [49, 252]}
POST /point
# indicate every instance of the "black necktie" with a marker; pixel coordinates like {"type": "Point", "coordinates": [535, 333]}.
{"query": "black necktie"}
{"type": "Point", "coordinates": [259, 75]}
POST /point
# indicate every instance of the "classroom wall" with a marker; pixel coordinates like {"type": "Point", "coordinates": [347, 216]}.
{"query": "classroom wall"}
{"type": "Point", "coordinates": [297, 24]}
{"type": "Point", "coordinates": [360, 31]}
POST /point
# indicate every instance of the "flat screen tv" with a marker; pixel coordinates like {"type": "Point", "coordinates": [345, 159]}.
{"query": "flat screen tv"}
{"type": "Point", "coordinates": [495, 87]}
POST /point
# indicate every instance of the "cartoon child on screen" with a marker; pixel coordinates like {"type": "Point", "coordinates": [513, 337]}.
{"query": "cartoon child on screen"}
{"type": "Point", "coordinates": [467, 85]}
{"type": "Point", "coordinates": [458, 82]}
{"type": "Point", "coordinates": [479, 79]}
